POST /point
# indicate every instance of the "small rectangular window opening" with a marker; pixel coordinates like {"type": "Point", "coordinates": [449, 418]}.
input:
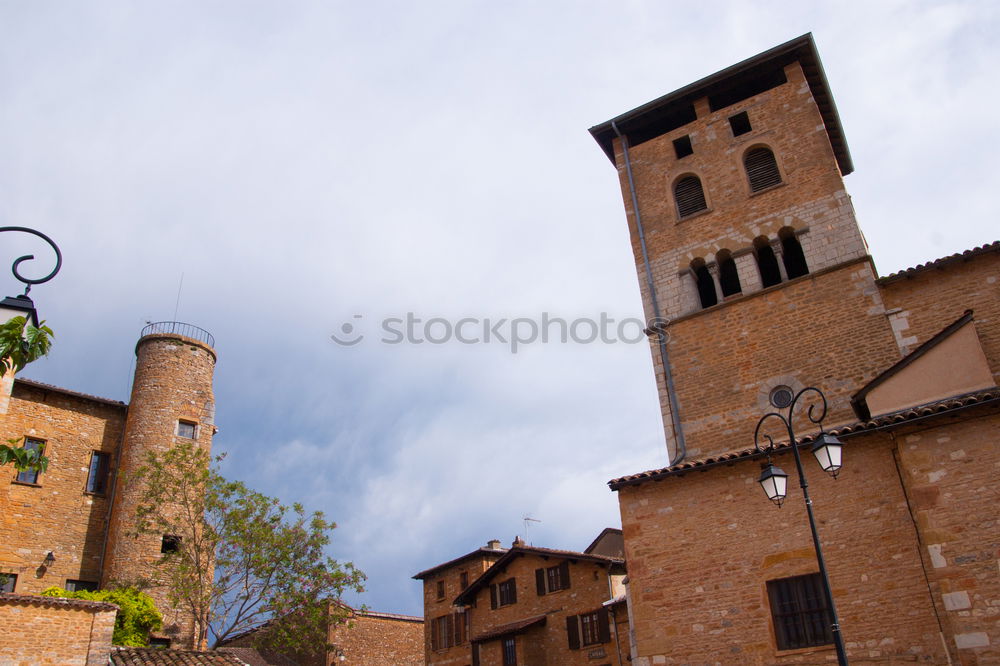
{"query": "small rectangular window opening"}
{"type": "Point", "coordinates": [31, 476]}
{"type": "Point", "coordinates": [440, 589]}
{"type": "Point", "coordinates": [171, 543]}
{"type": "Point", "coordinates": [682, 146]}
{"type": "Point", "coordinates": [740, 123]}
{"type": "Point", "coordinates": [8, 582]}
{"type": "Point", "coordinates": [77, 585]}
{"type": "Point", "coordinates": [97, 477]}
{"type": "Point", "coordinates": [187, 429]}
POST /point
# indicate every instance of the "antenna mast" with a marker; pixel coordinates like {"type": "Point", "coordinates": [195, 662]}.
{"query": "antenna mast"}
{"type": "Point", "coordinates": [528, 519]}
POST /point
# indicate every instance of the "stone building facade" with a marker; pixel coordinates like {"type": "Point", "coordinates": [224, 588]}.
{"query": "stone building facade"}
{"type": "Point", "coordinates": [45, 631]}
{"type": "Point", "coordinates": [69, 526]}
{"type": "Point", "coordinates": [748, 250]}
{"type": "Point", "coordinates": [528, 605]}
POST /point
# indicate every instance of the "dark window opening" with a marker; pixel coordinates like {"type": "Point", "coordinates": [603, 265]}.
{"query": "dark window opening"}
{"type": "Point", "coordinates": [689, 196]}
{"type": "Point", "coordinates": [449, 630]}
{"type": "Point", "coordinates": [794, 258]}
{"type": "Point", "coordinates": [77, 585]}
{"type": "Point", "coordinates": [463, 579]}
{"type": "Point", "coordinates": [639, 131]}
{"type": "Point", "coordinates": [509, 652]}
{"type": "Point", "coordinates": [729, 278]}
{"type": "Point", "coordinates": [97, 477]}
{"type": "Point", "coordinates": [740, 123]}
{"type": "Point", "coordinates": [762, 169]}
{"type": "Point", "coordinates": [507, 592]}
{"type": "Point", "coordinates": [8, 582]}
{"type": "Point", "coordinates": [171, 543]}
{"type": "Point", "coordinates": [187, 429]}
{"type": "Point", "coordinates": [440, 589]}
{"type": "Point", "coordinates": [682, 146]}
{"type": "Point", "coordinates": [780, 396]}
{"type": "Point", "coordinates": [767, 264]}
{"type": "Point", "coordinates": [706, 285]}
{"type": "Point", "coordinates": [31, 476]}
{"type": "Point", "coordinates": [159, 643]}
{"type": "Point", "coordinates": [747, 86]}
{"type": "Point", "coordinates": [798, 608]}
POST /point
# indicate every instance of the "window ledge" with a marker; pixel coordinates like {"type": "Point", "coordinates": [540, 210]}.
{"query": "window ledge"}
{"type": "Point", "coordinates": [828, 647]}
{"type": "Point", "coordinates": [26, 483]}
{"type": "Point", "coordinates": [768, 189]}
{"type": "Point", "coordinates": [91, 494]}
{"type": "Point", "coordinates": [702, 212]}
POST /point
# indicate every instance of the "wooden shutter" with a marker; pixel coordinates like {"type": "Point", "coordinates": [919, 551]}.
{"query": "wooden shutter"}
{"type": "Point", "coordinates": [603, 626]}
{"type": "Point", "coordinates": [573, 632]}
{"type": "Point", "coordinates": [564, 575]}
{"type": "Point", "coordinates": [689, 196]}
{"type": "Point", "coordinates": [762, 169]}
{"type": "Point", "coordinates": [493, 597]}
{"type": "Point", "coordinates": [540, 582]}
{"type": "Point", "coordinates": [434, 634]}
{"type": "Point", "coordinates": [513, 591]}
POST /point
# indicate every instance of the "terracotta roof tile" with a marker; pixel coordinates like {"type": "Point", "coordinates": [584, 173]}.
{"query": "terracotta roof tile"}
{"type": "Point", "coordinates": [878, 423]}
{"type": "Point", "coordinates": [36, 600]}
{"type": "Point", "coordinates": [943, 261]}
{"type": "Point", "coordinates": [508, 629]}
{"type": "Point", "coordinates": [130, 656]}
{"type": "Point", "coordinates": [23, 381]}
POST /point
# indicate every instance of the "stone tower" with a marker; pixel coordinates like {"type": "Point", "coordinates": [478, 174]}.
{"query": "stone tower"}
{"type": "Point", "coordinates": [747, 247]}
{"type": "Point", "coordinates": [171, 402]}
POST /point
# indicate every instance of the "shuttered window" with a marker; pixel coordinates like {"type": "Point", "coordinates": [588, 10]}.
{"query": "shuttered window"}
{"type": "Point", "coordinates": [509, 652]}
{"type": "Point", "coordinates": [588, 629]}
{"type": "Point", "coordinates": [503, 594]}
{"type": "Point", "coordinates": [689, 196]}
{"type": "Point", "coordinates": [762, 169]}
{"type": "Point", "coordinates": [552, 579]}
{"type": "Point", "coordinates": [798, 608]}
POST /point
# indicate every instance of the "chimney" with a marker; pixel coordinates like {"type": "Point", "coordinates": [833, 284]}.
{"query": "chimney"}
{"type": "Point", "coordinates": [518, 541]}
{"type": "Point", "coordinates": [493, 544]}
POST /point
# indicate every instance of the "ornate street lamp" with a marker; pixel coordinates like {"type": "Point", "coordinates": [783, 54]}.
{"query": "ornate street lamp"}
{"type": "Point", "coordinates": [773, 480]}
{"type": "Point", "coordinates": [22, 306]}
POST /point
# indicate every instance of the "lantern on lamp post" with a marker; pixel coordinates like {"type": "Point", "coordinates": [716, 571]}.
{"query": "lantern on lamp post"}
{"type": "Point", "coordinates": [773, 480]}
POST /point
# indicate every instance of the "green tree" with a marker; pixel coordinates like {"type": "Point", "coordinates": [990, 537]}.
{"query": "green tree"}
{"type": "Point", "coordinates": [20, 344]}
{"type": "Point", "coordinates": [137, 614]}
{"type": "Point", "coordinates": [269, 560]}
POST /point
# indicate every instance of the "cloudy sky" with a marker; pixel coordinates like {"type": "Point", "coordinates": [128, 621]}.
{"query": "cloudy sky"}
{"type": "Point", "coordinates": [295, 166]}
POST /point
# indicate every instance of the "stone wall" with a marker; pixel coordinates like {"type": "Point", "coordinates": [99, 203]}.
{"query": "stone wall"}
{"type": "Point", "coordinates": [43, 631]}
{"type": "Point", "coordinates": [56, 514]}
{"type": "Point", "coordinates": [379, 638]}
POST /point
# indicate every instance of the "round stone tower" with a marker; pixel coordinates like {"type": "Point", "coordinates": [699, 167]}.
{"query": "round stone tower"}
{"type": "Point", "coordinates": [171, 402]}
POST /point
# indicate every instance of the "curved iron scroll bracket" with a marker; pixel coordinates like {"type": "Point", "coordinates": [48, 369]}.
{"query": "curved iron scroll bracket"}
{"type": "Point", "coordinates": [28, 257]}
{"type": "Point", "coordinates": [787, 421]}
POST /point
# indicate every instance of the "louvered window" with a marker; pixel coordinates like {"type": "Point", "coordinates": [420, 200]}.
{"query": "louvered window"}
{"type": "Point", "coordinates": [689, 195]}
{"type": "Point", "coordinates": [762, 169]}
{"type": "Point", "coordinates": [799, 611]}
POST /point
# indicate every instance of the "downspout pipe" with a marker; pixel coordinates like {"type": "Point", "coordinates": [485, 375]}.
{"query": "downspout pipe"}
{"type": "Point", "coordinates": [659, 323]}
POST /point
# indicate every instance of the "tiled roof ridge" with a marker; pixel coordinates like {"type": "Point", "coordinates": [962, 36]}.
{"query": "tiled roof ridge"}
{"type": "Point", "coordinates": [148, 656]}
{"type": "Point", "coordinates": [445, 565]}
{"type": "Point", "coordinates": [900, 417]}
{"type": "Point", "coordinates": [38, 600]}
{"type": "Point", "coordinates": [34, 383]}
{"type": "Point", "coordinates": [937, 263]}
{"type": "Point", "coordinates": [390, 616]}
{"type": "Point", "coordinates": [566, 553]}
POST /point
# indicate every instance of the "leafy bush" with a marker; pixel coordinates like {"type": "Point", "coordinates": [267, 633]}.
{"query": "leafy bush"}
{"type": "Point", "coordinates": [137, 614]}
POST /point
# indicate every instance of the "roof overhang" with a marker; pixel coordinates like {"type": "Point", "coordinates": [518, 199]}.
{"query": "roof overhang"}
{"type": "Point", "coordinates": [663, 114]}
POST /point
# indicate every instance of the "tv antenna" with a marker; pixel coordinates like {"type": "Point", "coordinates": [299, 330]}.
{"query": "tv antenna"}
{"type": "Point", "coordinates": [528, 519]}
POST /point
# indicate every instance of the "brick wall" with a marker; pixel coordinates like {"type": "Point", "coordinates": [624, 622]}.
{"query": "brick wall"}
{"type": "Point", "coordinates": [436, 605]}
{"type": "Point", "coordinates": [173, 381]}
{"type": "Point", "coordinates": [701, 547]}
{"type": "Point", "coordinates": [40, 631]}
{"type": "Point", "coordinates": [828, 330]}
{"type": "Point", "coordinates": [57, 513]}
{"type": "Point", "coordinates": [548, 644]}
{"type": "Point", "coordinates": [380, 638]}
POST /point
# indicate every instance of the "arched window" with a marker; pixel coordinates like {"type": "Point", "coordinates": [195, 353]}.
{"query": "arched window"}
{"type": "Point", "coordinates": [791, 250]}
{"type": "Point", "coordinates": [762, 169]}
{"type": "Point", "coordinates": [706, 285]}
{"type": "Point", "coordinates": [689, 196]}
{"type": "Point", "coordinates": [767, 263]}
{"type": "Point", "coordinates": [729, 279]}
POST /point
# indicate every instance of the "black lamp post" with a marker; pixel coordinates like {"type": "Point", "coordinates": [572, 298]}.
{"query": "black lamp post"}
{"type": "Point", "coordinates": [773, 480]}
